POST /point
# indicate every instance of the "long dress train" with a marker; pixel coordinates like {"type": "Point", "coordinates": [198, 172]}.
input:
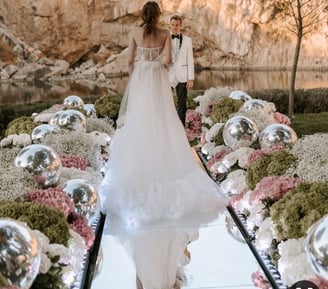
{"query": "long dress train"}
{"type": "Point", "coordinates": [152, 174]}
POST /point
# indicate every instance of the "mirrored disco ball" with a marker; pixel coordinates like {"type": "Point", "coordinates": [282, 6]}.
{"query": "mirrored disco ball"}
{"type": "Point", "coordinates": [233, 229]}
{"type": "Point", "coordinates": [90, 110]}
{"type": "Point", "coordinates": [275, 134]}
{"type": "Point", "coordinates": [316, 247]}
{"type": "Point", "coordinates": [240, 131]}
{"type": "Point", "coordinates": [41, 130]}
{"type": "Point", "coordinates": [72, 119]}
{"type": "Point", "coordinates": [85, 198]}
{"type": "Point", "coordinates": [256, 104]}
{"type": "Point", "coordinates": [54, 118]}
{"type": "Point", "coordinates": [239, 94]}
{"type": "Point", "coordinates": [20, 254]}
{"type": "Point", "coordinates": [42, 162]}
{"type": "Point", "coordinates": [73, 100]}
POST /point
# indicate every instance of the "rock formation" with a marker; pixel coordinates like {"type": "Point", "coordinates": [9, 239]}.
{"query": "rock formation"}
{"type": "Point", "coordinates": [88, 38]}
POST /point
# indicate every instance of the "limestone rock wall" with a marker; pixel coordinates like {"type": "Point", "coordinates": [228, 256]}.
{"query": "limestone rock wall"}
{"type": "Point", "coordinates": [226, 33]}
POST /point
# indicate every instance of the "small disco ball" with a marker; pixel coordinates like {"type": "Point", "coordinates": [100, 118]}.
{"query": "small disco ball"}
{"type": "Point", "coordinates": [54, 118]}
{"type": "Point", "coordinates": [238, 94]}
{"type": "Point", "coordinates": [277, 134]}
{"type": "Point", "coordinates": [240, 131]}
{"type": "Point", "coordinates": [90, 110]}
{"type": "Point", "coordinates": [85, 198]}
{"type": "Point", "coordinates": [74, 100]}
{"type": "Point", "coordinates": [42, 162]}
{"type": "Point", "coordinates": [20, 254]}
{"type": "Point", "coordinates": [256, 104]}
{"type": "Point", "coordinates": [316, 247]}
{"type": "Point", "coordinates": [42, 130]}
{"type": "Point", "coordinates": [72, 119]}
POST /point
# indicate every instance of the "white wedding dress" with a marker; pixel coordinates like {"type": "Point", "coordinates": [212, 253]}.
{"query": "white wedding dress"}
{"type": "Point", "coordinates": [152, 175]}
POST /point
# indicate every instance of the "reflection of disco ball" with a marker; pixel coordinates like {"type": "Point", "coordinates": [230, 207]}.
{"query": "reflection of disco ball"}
{"type": "Point", "coordinates": [240, 131]}
{"type": "Point", "coordinates": [277, 134]}
{"type": "Point", "coordinates": [85, 198]}
{"type": "Point", "coordinates": [54, 118]}
{"type": "Point", "coordinates": [316, 247]}
{"type": "Point", "coordinates": [41, 130]}
{"type": "Point", "coordinates": [255, 104]}
{"type": "Point", "coordinates": [74, 100]}
{"type": "Point", "coordinates": [72, 119]}
{"type": "Point", "coordinates": [20, 254]}
{"type": "Point", "coordinates": [90, 110]}
{"type": "Point", "coordinates": [99, 262]}
{"type": "Point", "coordinates": [238, 94]}
{"type": "Point", "coordinates": [42, 162]}
{"type": "Point", "coordinates": [233, 229]}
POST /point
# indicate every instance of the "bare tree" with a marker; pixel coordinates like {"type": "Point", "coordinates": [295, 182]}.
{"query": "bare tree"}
{"type": "Point", "coordinates": [302, 17]}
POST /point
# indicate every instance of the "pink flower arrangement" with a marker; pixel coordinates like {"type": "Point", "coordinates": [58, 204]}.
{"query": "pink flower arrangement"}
{"type": "Point", "coordinates": [52, 197]}
{"type": "Point", "coordinates": [79, 224]}
{"type": "Point", "coordinates": [216, 158]}
{"type": "Point", "coordinates": [74, 161]}
{"type": "Point", "coordinates": [237, 197]}
{"type": "Point", "coordinates": [281, 118]}
{"type": "Point", "coordinates": [210, 105]}
{"type": "Point", "coordinates": [273, 188]}
{"type": "Point", "coordinates": [256, 154]}
{"type": "Point", "coordinates": [260, 281]}
{"type": "Point", "coordinates": [193, 125]}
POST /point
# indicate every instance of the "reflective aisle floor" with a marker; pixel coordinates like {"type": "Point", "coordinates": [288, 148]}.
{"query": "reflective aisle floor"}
{"type": "Point", "coordinates": [218, 260]}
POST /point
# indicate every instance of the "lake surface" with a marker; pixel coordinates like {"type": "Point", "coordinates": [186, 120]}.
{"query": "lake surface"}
{"type": "Point", "coordinates": [248, 80]}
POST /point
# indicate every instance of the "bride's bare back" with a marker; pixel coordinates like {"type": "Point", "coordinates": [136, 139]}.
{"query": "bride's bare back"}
{"type": "Point", "coordinates": [159, 38]}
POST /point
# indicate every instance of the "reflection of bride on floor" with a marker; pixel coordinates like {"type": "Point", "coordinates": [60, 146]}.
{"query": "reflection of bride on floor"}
{"type": "Point", "coordinates": [152, 174]}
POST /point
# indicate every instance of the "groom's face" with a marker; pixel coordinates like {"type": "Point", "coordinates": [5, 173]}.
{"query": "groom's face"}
{"type": "Point", "coordinates": [175, 26]}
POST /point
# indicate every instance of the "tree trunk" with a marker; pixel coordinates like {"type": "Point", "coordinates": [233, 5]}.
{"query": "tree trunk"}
{"type": "Point", "coordinates": [291, 99]}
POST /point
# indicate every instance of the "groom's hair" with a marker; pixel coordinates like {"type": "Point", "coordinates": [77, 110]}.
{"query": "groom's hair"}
{"type": "Point", "coordinates": [176, 17]}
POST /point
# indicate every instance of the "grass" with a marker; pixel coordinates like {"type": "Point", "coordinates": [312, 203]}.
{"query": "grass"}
{"type": "Point", "coordinates": [310, 123]}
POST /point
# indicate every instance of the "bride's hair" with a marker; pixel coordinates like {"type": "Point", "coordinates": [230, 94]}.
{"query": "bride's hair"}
{"type": "Point", "coordinates": [150, 14]}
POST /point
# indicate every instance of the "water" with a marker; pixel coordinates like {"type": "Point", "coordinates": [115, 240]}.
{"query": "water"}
{"type": "Point", "coordinates": [247, 81]}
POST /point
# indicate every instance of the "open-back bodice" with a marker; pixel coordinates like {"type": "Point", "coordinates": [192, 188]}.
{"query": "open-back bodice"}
{"type": "Point", "coordinates": [149, 54]}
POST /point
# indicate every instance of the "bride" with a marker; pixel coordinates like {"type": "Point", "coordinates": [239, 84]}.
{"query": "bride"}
{"type": "Point", "coordinates": [152, 175]}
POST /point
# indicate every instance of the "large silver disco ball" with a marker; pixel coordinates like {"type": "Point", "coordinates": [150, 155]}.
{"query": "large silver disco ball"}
{"type": "Point", "coordinates": [90, 110]}
{"type": "Point", "coordinates": [42, 130]}
{"type": "Point", "coordinates": [316, 247]}
{"type": "Point", "coordinates": [239, 94]}
{"type": "Point", "coordinates": [42, 162]}
{"type": "Point", "coordinates": [277, 134]}
{"type": "Point", "coordinates": [72, 119]}
{"type": "Point", "coordinates": [240, 131]}
{"type": "Point", "coordinates": [54, 118]}
{"type": "Point", "coordinates": [20, 254]}
{"type": "Point", "coordinates": [74, 100]}
{"type": "Point", "coordinates": [256, 104]}
{"type": "Point", "coordinates": [85, 198]}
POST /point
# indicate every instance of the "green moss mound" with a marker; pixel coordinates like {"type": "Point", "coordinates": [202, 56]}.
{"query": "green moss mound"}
{"type": "Point", "coordinates": [224, 109]}
{"type": "Point", "coordinates": [299, 209]}
{"type": "Point", "coordinates": [108, 106]}
{"type": "Point", "coordinates": [274, 164]}
{"type": "Point", "coordinates": [23, 124]}
{"type": "Point", "coordinates": [49, 221]}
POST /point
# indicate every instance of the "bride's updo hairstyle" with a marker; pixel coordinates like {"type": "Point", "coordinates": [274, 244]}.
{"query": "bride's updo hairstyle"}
{"type": "Point", "coordinates": [150, 14]}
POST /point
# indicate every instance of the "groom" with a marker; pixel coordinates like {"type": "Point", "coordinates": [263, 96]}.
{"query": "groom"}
{"type": "Point", "coordinates": [181, 73]}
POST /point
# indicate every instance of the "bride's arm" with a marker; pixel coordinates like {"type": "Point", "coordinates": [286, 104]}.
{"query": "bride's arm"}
{"type": "Point", "coordinates": [131, 51]}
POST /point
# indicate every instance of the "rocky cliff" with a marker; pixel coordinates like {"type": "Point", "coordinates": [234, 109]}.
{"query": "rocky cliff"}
{"type": "Point", "coordinates": [60, 37]}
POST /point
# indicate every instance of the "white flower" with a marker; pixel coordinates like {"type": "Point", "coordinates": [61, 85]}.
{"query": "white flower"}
{"type": "Point", "coordinates": [7, 141]}
{"type": "Point", "coordinates": [235, 183]}
{"type": "Point", "coordinates": [256, 216]}
{"type": "Point", "coordinates": [293, 265]}
{"type": "Point", "coordinates": [22, 140]}
{"type": "Point", "coordinates": [90, 175]}
{"type": "Point", "coordinates": [43, 117]}
{"type": "Point", "coordinates": [232, 158]}
{"type": "Point", "coordinates": [243, 205]}
{"type": "Point", "coordinates": [264, 235]}
{"type": "Point", "coordinates": [206, 148]}
{"type": "Point", "coordinates": [213, 131]}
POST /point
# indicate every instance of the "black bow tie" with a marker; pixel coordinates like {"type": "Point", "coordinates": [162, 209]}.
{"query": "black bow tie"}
{"type": "Point", "coordinates": [176, 36]}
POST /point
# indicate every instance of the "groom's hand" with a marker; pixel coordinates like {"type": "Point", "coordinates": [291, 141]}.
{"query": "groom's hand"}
{"type": "Point", "coordinates": [190, 84]}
